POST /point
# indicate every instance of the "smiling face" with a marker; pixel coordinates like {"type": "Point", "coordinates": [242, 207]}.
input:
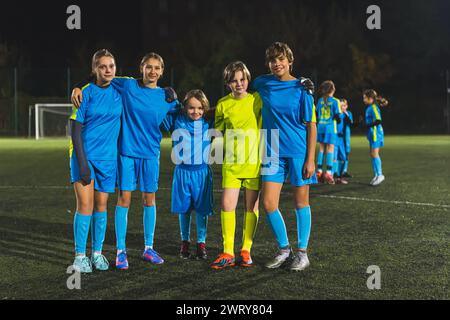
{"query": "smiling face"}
{"type": "Point", "coordinates": [239, 84]}
{"type": "Point", "coordinates": [105, 70]}
{"type": "Point", "coordinates": [280, 67]}
{"type": "Point", "coordinates": [194, 109]}
{"type": "Point", "coordinates": [151, 70]}
{"type": "Point", "coordinates": [344, 106]}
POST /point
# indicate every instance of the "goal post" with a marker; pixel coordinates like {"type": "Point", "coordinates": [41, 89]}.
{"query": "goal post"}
{"type": "Point", "coordinates": [50, 117]}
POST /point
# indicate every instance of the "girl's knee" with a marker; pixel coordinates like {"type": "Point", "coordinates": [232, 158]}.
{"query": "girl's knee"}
{"type": "Point", "coordinates": [270, 205]}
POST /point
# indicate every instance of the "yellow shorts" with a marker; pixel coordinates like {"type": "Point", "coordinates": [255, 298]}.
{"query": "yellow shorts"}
{"type": "Point", "coordinates": [230, 181]}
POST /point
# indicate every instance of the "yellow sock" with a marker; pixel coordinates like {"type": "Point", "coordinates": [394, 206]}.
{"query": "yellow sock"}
{"type": "Point", "coordinates": [250, 223]}
{"type": "Point", "coordinates": [228, 219]}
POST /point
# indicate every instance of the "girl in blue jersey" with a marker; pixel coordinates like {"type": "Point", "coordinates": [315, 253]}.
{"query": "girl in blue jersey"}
{"type": "Point", "coordinates": [340, 154]}
{"type": "Point", "coordinates": [192, 184]}
{"type": "Point", "coordinates": [375, 133]}
{"type": "Point", "coordinates": [328, 111]}
{"type": "Point", "coordinates": [290, 139]}
{"type": "Point", "coordinates": [348, 122]}
{"type": "Point", "coordinates": [145, 108]}
{"type": "Point", "coordinates": [95, 128]}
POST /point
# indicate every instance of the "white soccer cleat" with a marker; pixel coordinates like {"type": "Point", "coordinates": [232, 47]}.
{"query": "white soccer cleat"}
{"type": "Point", "coordinates": [373, 180]}
{"type": "Point", "coordinates": [378, 180]}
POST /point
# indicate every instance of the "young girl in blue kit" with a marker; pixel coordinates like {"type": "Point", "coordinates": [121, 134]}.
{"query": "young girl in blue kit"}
{"type": "Point", "coordinates": [95, 128]}
{"type": "Point", "coordinates": [375, 133]}
{"type": "Point", "coordinates": [287, 112]}
{"type": "Point", "coordinates": [192, 184]}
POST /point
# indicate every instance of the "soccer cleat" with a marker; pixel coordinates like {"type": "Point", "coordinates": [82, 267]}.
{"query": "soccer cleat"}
{"type": "Point", "coordinates": [223, 260]}
{"type": "Point", "coordinates": [201, 251]}
{"type": "Point", "coordinates": [82, 264]}
{"type": "Point", "coordinates": [300, 261]}
{"type": "Point", "coordinates": [280, 258]}
{"type": "Point", "coordinates": [152, 256]}
{"type": "Point", "coordinates": [347, 175]}
{"type": "Point", "coordinates": [122, 261]}
{"type": "Point", "coordinates": [319, 176]}
{"type": "Point", "coordinates": [378, 180]}
{"type": "Point", "coordinates": [184, 251]}
{"type": "Point", "coordinates": [328, 178]}
{"type": "Point", "coordinates": [373, 180]}
{"type": "Point", "coordinates": [245, 259]}
{"type": "Point", "coordinates": [341, 181]}
{"type": "Point", "coordinates": [99, 262]}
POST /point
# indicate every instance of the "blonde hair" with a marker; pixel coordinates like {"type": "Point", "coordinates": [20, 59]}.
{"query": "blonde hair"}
{"type": "Point", "coordinates": [232, 68]}
{"type": "Point", "coordinates": [278, 49]}
{"type": "Point", "coordinates": [200, 96]}
{"type": "Point", "coordinates": [98, 55]}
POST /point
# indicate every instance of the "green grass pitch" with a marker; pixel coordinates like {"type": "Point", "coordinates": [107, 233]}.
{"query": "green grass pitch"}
{"type": "Point", "coordinates": [405, 232]}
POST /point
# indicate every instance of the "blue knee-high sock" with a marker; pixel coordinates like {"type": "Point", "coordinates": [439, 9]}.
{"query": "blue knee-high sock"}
{"type": "Point", "coordinates": [121, 221]}
{"type": "Point", "coordinates": [303, 226]}
{"type": "Point", "coordinates": [202, 224]}
{"type": "Point", "coordinates": [345, 166]}
{"type": "Point", "coordinates": [278, 226]}
{"type": "Point", "coordinates": [335, 167]}
{"type": "Point", "coordinates": [185, 226]}
{"type": "Point", "coordinates": [374, 166]}
{"type": "Point", "coordinates": [330, 158]}
{"type": "Point", "coordinates": [81, 225]}
{"type": "Point", "coordinates": [149, 225]}
{"type": "Point", "coordinates": [378, 166]}
{"type": "Point", "coordinates": [340, 170]}
{"type": "Point", "coordinates": [320, 161]}
{"type": "Point", "coordinates": [98, 230]}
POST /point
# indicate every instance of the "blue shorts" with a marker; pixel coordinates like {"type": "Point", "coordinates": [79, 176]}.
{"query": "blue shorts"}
{"type": "Point", "coordinates": [375, 135]}
{"type": "Point", "coordinates": [376, 144]}
{"type": "Point", "coordinates": [326, 134]}
{"type": "Point", "coordinates": [103, 172]}
{"type": "Point", "coordinates": [287, 167]}
{"type": "Point", "coordinates": [192, 189]}
{"type": "Point", "coordinates": [340, 152]}
{"type": "Point", "coordinates": [137, 170]}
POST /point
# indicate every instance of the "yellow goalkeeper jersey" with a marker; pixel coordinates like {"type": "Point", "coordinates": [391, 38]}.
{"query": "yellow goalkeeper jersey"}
{"type": "Point", "coordinates": [240, 122]}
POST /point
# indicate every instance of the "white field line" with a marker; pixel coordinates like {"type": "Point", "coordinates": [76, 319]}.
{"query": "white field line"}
{"type": "Point", "coordinates": [446, 206]}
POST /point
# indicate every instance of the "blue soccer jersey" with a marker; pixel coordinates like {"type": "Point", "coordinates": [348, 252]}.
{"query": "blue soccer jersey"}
{"type": "Point", "coordinates": [326, 113]}
{"type": "Point", "coordinates": [191, 140]}
{"type": "Point", "coordinates": [100, 113]}
{"type": "Point", "coordinates": [144, 111]}
{"type": "Point", "coordinates": [375, 134]}
{"type": "Point", "coordinates": [287, 107]}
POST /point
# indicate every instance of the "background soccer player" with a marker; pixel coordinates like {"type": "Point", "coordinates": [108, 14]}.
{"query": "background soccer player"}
{"type": "Point", "coordinates": [340, 154]}
{"type": "Point", "coordinates": [348, 122]}
{"type": "Point", "coordinates": [95, 128]}
{"type": "Point", "coordinates": [192, 184]}
{"type": "Point", "coordinates": [375, 133]}
{"type": "Point", "coordinates": [289, 109]}
{"type": "Point", "coordinates": [328, 111]}
{"type": "Point", "coordinates": [145, 108]}
{"type": "Point", "coordinates": [239, 113]}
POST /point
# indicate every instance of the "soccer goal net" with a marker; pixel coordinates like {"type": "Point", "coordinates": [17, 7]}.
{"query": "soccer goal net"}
{"type": "Point", "coordinates": [50, 119]}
